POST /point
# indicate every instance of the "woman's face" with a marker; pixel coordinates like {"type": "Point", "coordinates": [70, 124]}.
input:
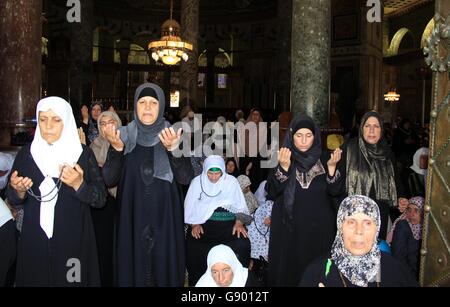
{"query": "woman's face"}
{"type": "Point", "coordinates": [230, 167]}
{"type": "Point", "coordinates": [95, 112]}
{"type": "Point", "coordinates": [372, 130]}
{"type": "Point", "coordinates": [413, 214]}
{"type": "Point", "coordinates": [303, 139]}
{"type": "Point", "coordinates": [423, 161]}
{"type": "Point", "coordinates": [214, 176]}
{"type": "Point", "coordinates": [51, 126]}
{"type": "Point", "coordinates": [107, 121]}
{"type": "Point", "coordinates": [222, 274]}
{"type": "Point", "coordinates": [358, 233]}
{"type": "Point", "coordinates": [147, 110]}
{"type": "Point", "coordinates": [256, 117]}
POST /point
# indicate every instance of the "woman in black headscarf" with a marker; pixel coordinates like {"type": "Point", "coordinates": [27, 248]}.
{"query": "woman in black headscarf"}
{"type": "Point", "coordinates": [150, 229]}
{"type": "Point", "coordinates": [367, 168]}
{"type": "Point", "coordinates": [89, 123]}
{"type": "Point", "coordinates": [302, 224]}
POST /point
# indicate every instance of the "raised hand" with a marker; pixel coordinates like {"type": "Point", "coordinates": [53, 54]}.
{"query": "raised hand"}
{"type": "Point", "coordinates": [402, 204]}
{"type": "Point", "coordinates": [334, 159]}
{"type": "Point", "coordinates": [82, 136]}
{"type": "Point", "coordinates": [239, 229]}
{"type": "Point", "coordinates": [169, 138]}
{"type": "Point", "coordinates": [113, 137]}
{"type": "Point", "coordinates": [72, 176]}
{"type": "Point", "coordinates": [20, 184]}
{"type": "Point", "coordinates": [284, 158]}
{"type": "Point", "coordinates": [85, 114]}
{"type": "Point", "coordinates": [197, 231]}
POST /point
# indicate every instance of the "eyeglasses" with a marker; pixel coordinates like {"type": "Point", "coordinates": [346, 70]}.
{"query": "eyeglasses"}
{"type": "Point", "coordinates": [111, 122]}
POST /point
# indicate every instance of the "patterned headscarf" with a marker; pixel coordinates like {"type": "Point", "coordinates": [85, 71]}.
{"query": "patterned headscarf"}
{"type": "Point", "coordinates": [360, 270]}
{"type": "Point", "coordinates": [415, 229]}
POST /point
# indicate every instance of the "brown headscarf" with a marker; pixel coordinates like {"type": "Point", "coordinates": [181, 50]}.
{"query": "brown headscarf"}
{"type": "Point", "coordinates": [100, 145]}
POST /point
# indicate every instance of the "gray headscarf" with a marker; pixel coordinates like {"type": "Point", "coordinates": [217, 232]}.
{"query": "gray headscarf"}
{"type": "Point", "coordinates": [360, 270]}
{"type": "Point", "coordinates": [147, 135]}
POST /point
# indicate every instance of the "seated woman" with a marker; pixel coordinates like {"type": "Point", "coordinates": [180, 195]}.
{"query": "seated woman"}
{"type": "Point", "coordinates": [356, 260]}
{"type": "Point", "coordinates": [407, 235]}
{"type": "Point", "coordinates": [416, 176]}
{"type": "Point", "coordinates": [250, 199]}
{"type": "Point", "coordinates": [225, 270]}
{"type": "Point", "coordinates": [215, 211]}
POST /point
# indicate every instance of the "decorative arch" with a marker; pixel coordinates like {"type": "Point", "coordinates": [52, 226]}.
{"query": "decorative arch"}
{"type": "Point", "coordinates": [223, 59]}
{"type": "Point", "coordinates": [138, 55]}
{"type": "Point", "coordinates": [397, 40]}
{"type": "Point", "coordinates": [426, 33]}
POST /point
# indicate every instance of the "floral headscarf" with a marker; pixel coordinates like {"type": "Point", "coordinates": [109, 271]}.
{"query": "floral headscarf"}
{"type": "Point", "coordinates": [360, 270]}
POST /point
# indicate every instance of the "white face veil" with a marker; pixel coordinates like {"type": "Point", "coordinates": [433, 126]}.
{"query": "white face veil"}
{"type": "Point", "coordinates": [50, 157]}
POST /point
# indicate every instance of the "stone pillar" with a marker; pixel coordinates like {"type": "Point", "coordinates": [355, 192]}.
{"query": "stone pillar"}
{"type": "Point", "coordinates": [310, 72]}
{"type": "Point", "coordinates": [189, 69]}
{"type": "Point", "coordinates": [210, 77]}
{"type": "Point", "coordinates": [124, 52]}
{"type": "Point", "coordinates": [81, 72]}
{"type": "Point", "coordinates": [283, 70]}
{"type": "Point", "coordinates": [20, 73]}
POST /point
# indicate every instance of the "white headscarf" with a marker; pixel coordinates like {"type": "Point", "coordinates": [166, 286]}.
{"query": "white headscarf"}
{"type": "Point", "coordinates": [204, 197]}
{"type": "Point", "coordinates": [223, 254]}
{"type": "Point", "coordinates": [49, 157]}
{"type": "Point", "coordinates": [6, 163]}
{"type": "Point", "coordinates": [261, 193]}
{"type": "Point", "coordinates": [416, 161]}
{"type": "Point", "coordinates": [360, 270]}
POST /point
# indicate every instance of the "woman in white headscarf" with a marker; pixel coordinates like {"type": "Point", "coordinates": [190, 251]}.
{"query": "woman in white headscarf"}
{"type": "Point", "coordinates": [224, 269]}
{"type": "Point", "coordinates": [355, 259]}
{"type": "Point", "coordinates": [57, 180]}
{"type": "Point", "coordinates": [216, 211]}
{"type": "Point", "coordinates": [416, 175]}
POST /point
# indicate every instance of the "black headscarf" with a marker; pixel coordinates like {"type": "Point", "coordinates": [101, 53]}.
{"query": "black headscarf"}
{"type": "Point", "coordinates": [304, 160]}
{"type": "Point", "coordinates": [93, 125]}
{"type": "Point", "coordinates": [137, 132]}
{"type": "Point", "coordinates": [301, 161]}
{"type": "Point", "coordinates": [370, 165]}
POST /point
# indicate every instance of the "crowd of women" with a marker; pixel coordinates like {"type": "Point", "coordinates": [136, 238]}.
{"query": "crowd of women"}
{"type": "Point", "coordinates": [104, 205]}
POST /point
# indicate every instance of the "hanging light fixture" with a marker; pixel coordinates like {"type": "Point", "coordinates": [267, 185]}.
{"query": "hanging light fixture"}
{"type": "Point", "coordinates": [392, 96]}
{"type": "Point", "coordinates": [170, 49]}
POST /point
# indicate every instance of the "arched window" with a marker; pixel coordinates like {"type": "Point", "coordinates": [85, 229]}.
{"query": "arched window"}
{"type": "Point", "coordinates": [427, 33]}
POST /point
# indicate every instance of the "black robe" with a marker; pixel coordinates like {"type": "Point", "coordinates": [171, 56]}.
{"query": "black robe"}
{"type": "Point", "coordinates": [405, 247]}
{"type": "Point", "coordinates": [150, 247]}
{"type": "Point", "coordinates": [393, 274]}
{"type": "Point", "coordinates": [46, 262]}
{"type": "Point", "coordinates": [293, 245]}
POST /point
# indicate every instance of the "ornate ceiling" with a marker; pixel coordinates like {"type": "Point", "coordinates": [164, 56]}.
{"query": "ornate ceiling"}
{"type": "Point", "coordinates": [400, 7]}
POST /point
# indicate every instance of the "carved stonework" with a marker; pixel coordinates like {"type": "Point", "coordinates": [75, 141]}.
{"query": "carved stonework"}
{"type": "Point", "coordinates": [440, 32]}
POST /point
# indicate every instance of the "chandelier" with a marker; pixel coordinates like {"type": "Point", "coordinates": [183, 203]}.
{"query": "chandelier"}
{"type": "Point", "coordinates": [392, 96]}
{"type": "Point", "coordinates": [170, 49]}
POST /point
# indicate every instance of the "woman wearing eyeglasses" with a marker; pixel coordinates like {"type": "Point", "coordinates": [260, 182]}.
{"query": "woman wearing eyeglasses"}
{"type": "Point", "coordinates": [216, 211]}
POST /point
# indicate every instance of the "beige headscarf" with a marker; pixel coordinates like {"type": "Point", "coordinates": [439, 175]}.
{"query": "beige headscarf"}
{"type": "Point", "coordinates": [100, 145]}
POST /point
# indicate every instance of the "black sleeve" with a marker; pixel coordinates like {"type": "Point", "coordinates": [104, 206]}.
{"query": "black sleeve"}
{"type": "Point", "coordinates": [112, 169]}
{"type": "Point", "coordinates": [181, 168]}
{"type": "Point", "coordinates": [85, 128]}
{"type": "Point", "coordinates": [336, 184]}
{"type": "Point", "coordinates": [313, 272]}
{"type": "Point", "coordinates": [400, 246]}
{"type": "Point", "coordinates": [276, 182]}
{"type": "Point", "coordinates": [92, 191]}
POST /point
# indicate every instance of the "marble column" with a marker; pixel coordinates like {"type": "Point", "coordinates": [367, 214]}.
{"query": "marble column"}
{"type": "Point", "coordinates": [124, 52]}
{"type": "Point", "coordinates": [310, 71]}
{"type": "Point", "coordinates": [20, 73]}
{"type": "Point", "coordinates": [210, 77]}
{"type": "Point", "coordinates": [81, 70]}
{"type": "Point", "coordinates": [189, 69]}
{"type": "Point", "coordinates": [283, 68]}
